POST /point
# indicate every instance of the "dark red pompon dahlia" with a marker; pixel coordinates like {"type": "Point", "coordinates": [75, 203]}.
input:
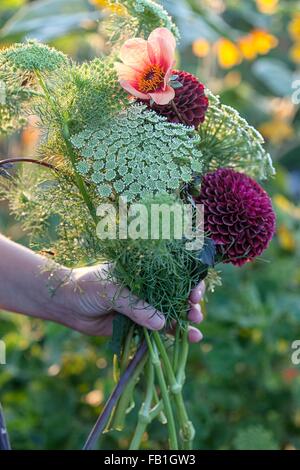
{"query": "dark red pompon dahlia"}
{"type": "Point", "coordinates": [238, 215]}
{"type": "Point", "coordinates": [190, 103]}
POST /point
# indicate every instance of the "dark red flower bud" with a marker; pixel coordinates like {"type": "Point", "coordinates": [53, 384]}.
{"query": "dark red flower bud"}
{"type": "Point", "coordinates": [190, 103]}
{"type": "Point", "coordinates": [238, 215]}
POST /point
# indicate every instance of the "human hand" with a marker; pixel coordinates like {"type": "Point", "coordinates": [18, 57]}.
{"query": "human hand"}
{"type": "Point", "coordinates": [92, 302]}
{"type": "Point", "coordinates": [85, 300]}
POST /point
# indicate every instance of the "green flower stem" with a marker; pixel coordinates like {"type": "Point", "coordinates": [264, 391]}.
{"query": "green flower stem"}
{"type": "Point", "coordinates": [161, 415]}
{"type": "Point", "coordinates": [184, 351]}
{"type": "Point", "coordinates": [144, 414]}
{"type": "Point", "coordinates": [176, 348]}
{"type": "Point", "coordinates": [117, 421]}
{"type": "Point", "coordinates": [66, 135]}
{"type": "Point", "coordinates": [164, 391]}
{"type": "Point", "coordinates": [116, 368]}
{"type": "Point", "coordinates": [113, 399]}
{"type": "Point", "coordinates": [123, 406]}
{"type": "Point", "coordinates": [156, 411]}
{"type": "Point", "coordinates": [78, 180]}
{"type": "Point", "coordinates": [187, 443]}
{"type": "Point", "coordinates": [126, 349]}
{"type": "Point", "coordinates": [187, 430]}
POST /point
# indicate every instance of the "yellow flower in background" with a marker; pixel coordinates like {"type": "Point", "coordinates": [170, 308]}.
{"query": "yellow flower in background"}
{"type": "Point", "coordinates": [286, 206]}
{"type": "Point", "coordinates": [268, 7]}
{"type": "Point", "coordinates": [277, 131]}
{"type": "Point", "coordinates": [247, 47]}
{"type": "Point", "coordinates": [257, 42]}
{"type": "Point", "coordinates": [229, 54]}
{"type": "Point", "coordinates": [232, 79]}
{"type": "Point", "coordinates": [282, 202]}
{"type": "Point", "coordinates": [286, 238]}
{"type": "Point", "coordinates": [256, 335]}
{"type": "Point", "coordinates": [263, 42]}
{"type": "Point", "coordinates": [294, 27]}
{"type": "Point", "coordinates": [118, 9]}
{"type": "Point", "coordinates": [282, 345]}
{"type": "Point", "coordinates": [295, 53]}
{"type": "Point", "coordinates": [201, 47]}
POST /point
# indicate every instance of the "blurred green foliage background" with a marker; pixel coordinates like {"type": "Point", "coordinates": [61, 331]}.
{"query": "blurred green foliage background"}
{"type": "Point", "coordinates": [242, 390]}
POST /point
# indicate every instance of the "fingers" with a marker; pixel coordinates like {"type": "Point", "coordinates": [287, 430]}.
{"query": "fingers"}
{"type": "Point", "coordinates": [195, 314]}
{"type": "Point", "coordinates": [197, 293]}
{"type": "Point", "coordinates": [193, 333]}
{"type": "Point", "coordinates": [138, 310]}
{"type": "Point", "coordinates": [142, 313]}
{"type": "Point", "coordinates": [195, 336]}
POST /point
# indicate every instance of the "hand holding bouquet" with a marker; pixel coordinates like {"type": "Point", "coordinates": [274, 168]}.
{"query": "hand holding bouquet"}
{"type": "Point", "coordinates": [141, 167]}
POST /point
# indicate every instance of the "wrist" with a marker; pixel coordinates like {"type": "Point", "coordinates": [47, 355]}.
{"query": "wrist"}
{"type": "Point", "coordinates": [59, 300]}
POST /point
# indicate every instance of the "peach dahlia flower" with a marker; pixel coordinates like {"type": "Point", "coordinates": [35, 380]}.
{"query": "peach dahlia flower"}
{"type": "Point", "coordinates": [146, 66]}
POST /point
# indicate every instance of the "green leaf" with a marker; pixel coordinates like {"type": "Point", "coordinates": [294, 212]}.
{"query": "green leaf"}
{"type": "Point", "coordinates": [208, 253]}
{"type": "Point", "coordinates": [274, 75]}
{"type": "Point", "coordinates": [189, 23]}
{"type": "Point", "coordinates": [176, 85]}
{"type": "Point", "coordinates": [48, 19]}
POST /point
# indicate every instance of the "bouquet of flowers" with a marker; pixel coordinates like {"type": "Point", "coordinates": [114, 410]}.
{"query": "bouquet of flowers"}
{"type": "Point", "coordinates": [130, 142]}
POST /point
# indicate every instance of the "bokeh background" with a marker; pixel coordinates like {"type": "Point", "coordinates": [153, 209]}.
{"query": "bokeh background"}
{"type": "Point", "coordinates": [243, 390]}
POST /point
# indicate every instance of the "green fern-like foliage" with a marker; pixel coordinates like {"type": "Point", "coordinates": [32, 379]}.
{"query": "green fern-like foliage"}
{"type": "Point", "coordinates": [149, 15]}
{"type": "Point", "coordinates": [137, 153]}
{"type": "Point", "coordinates": [33, 56]}
{"type": "Point", "coordinates": [228, 140]}
{"type": "Point", "coordinates": [84, 95]}
{"type": "Point", "coordinates": [97, 95]}
{"type": "Point", "coordinates": [50, 210]}
{"type": "Point", "coordinates": [73, 239]}
{"type": "Point", "coordinates": [141, 18]}
{"type": "Point", "coordinates": [14, 96]}
{"type": "Point", "coordinates": [149, 267]}
{"type": "Point", "coordinates": [255, 438]}
{"type": "Point", "coordinates": [22, 193]}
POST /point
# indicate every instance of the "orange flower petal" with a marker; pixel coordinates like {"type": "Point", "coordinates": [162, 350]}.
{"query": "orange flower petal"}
{"type": "Point", "coordinates": [134, 53]}
{"type": "Point", "coordinates": [147, 65]}
{"type": "Point", "coordinates": [161, 47]}
{"type": "Point", "coordinates": [130, 87]}
{"type": "Point", "coordinates": [125, 72]}
{"type": "Point", "coordinates": [163, 97]}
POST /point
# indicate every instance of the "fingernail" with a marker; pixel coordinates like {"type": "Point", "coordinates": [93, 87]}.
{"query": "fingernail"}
{"type": "Point", "coordinates": [195, 335]}
{"type": "Point", "coordinates": [195, 314]}
{"type": "Point", "coordinates": [157, 322]}
{"type": "Point", "coordinates": [195, 296]}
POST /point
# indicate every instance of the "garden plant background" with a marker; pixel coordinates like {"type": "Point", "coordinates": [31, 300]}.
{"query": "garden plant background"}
{"type": "Point", "coordinates": [243, 391]}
